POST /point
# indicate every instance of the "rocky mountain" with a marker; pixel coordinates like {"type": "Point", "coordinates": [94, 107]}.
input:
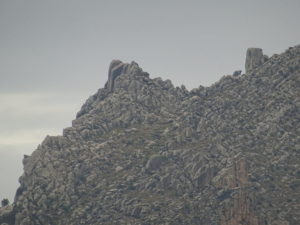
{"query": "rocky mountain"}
{"type": "Point", "coordinates": [143, 152]}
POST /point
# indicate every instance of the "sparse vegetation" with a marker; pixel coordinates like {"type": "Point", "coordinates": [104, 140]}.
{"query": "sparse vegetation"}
{"type": "Point", "coordinates": [4, 202]}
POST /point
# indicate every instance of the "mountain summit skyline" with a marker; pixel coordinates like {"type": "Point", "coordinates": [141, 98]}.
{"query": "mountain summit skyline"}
{"type": "Point", "coordinates": [54, 54]}
{"type": "Point", "coordinates": [142, 151]}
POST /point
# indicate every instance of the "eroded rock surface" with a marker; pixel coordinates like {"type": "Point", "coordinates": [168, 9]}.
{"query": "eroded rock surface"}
{"type": "Point", "coordinates": [254, 58]}
{"type": "Point", "coordinates": [7, 215]}
{"type": "Point", "coordinates": [143, 152]}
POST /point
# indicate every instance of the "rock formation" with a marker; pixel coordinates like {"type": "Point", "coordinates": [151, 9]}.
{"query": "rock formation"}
{"type": "Point", "coordinates": [254, 58]}
{"type": "Point", "coordinates": [144, 152]}
{"type": "Point", "coordinates": [116, 68]}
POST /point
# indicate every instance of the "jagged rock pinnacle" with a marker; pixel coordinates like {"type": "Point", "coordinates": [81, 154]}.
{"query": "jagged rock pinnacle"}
{"type": "Point", "coordinates": [116, 68]}
{"type": "Point", "coordinates": [254, 58]}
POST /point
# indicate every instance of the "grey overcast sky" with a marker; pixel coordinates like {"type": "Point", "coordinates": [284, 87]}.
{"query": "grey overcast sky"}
{"type": "Point", "coordinates": [55, 53]}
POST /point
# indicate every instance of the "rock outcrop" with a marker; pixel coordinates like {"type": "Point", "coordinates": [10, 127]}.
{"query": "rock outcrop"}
{"type": "Point", "coordinates": [116, 68]}
{"type": "Point", "coordinates": [254, 58]}
{"type": "Point", "coordinates": [144, 152]}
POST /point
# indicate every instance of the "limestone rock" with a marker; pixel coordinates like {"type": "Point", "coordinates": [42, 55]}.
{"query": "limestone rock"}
{"type": "Point", "coordinates": [254, 58]}
{"type": "Point", "coordinates": [142, 151]}
{"type": "Point", "coordinates": [116, 68]}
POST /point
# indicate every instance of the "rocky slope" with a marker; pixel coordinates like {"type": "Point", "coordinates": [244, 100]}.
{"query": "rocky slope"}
{"type": "Point", "coordinates": [142, 151]}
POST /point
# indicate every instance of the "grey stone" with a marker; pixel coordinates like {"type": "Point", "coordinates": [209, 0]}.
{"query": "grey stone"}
{"type": "Point", "coordinates": [142, 151]}
{"type": "Point", "coordinates": [237, 73]}
{"type": "Point", "coordinates": [116, 68]}
{"type": "Point", "coordinates": [155, 162]}
{"type": "Point", "coordinates": [254, 58]}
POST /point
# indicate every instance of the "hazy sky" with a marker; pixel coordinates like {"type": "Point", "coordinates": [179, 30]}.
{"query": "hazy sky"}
{"type": "Point", "coordinates": [55, 53]}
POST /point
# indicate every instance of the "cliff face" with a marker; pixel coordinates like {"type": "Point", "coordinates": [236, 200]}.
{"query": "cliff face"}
{"type": "Point", "coordinates": [142, 151]}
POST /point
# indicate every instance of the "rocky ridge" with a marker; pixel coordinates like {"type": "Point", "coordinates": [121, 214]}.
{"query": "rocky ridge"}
{"type": "Point", "coordinates": [142, 151]}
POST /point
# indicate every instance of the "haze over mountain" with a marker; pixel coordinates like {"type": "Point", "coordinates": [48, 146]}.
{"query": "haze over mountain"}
{"type": "Point", "coordinates": [54, 54]}
{"type": "Point", "coordinates": [142, 151]}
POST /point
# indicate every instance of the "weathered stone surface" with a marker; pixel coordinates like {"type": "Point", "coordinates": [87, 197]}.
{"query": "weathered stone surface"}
{"type": "Point", "coordinates": [142, 151]}
{"type": "Point", "coordinates": [7, 215]}
{"type": "Point", "coordinates": [116, 68]}
{"type": "Point", "coordinates": [254, 58]}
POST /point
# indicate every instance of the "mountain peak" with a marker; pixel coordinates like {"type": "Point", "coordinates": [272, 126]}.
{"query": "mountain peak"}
{"type": "Point", "coordinates": [142, 151]}
{"type": "Point", "coordinates": [118, 68]}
